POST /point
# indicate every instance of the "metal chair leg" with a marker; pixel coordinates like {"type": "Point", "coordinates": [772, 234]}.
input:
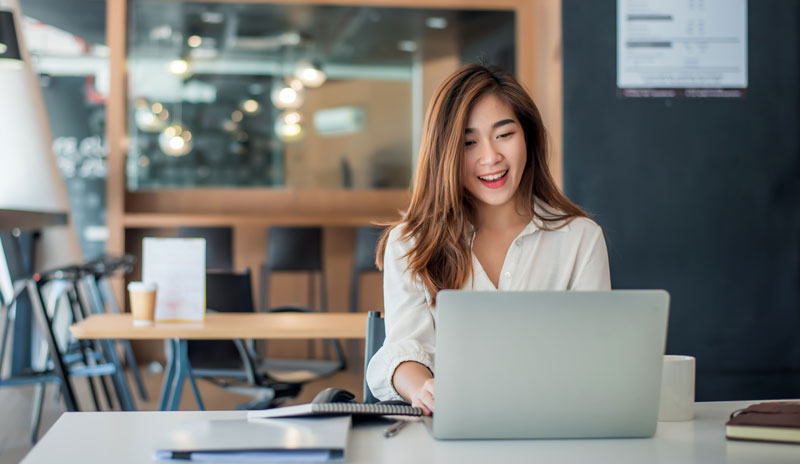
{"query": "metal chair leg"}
{"type": "Point", "coordinates": [83, 347]}
{"type": "Point", "coordinates": [60, 369]}
{"type": "Point", "coordinates": [104, 293]}
{"type": "Point", "coordinates": [37, 412]}
{"type": "Point", "coordinates": [166, 388]}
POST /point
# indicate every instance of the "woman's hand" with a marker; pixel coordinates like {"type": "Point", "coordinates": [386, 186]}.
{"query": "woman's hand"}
{"type": "Point", "coordinates": [423, 397]}
{"type": "Point", "coordinates": [414, 382]}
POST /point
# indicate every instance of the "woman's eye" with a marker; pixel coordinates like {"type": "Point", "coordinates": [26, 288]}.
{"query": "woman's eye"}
{"type": "Point", "coordinates": [507, 134]}
{"type": "Point", "coordinates": [469, 143]}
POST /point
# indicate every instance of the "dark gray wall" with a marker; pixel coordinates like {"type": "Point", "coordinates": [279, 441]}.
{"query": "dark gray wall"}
{"type": "Point", "coordinates": [698, 196]}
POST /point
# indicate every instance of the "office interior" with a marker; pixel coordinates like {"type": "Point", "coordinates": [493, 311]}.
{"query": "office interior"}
{"type": "Point", "coordinates": [172, 114]}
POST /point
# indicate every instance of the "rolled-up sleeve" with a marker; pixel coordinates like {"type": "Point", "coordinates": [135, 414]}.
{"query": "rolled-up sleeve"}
{"type": "Point", "coordinates": [591, 268]}
{"type": "Point", "coordinates": [409, 321]}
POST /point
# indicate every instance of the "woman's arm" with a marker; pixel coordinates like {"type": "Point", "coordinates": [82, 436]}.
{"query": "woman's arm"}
{"type": "Point", "coordinates": [414, 382]}
{"type": "Point", "coordinates": [592, 272]}
{"type": "Point", "coordinates": [409, 328]}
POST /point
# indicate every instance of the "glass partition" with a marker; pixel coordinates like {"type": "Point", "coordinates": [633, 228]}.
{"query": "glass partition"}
{"type": "Point", "coordinates": [291, 96]}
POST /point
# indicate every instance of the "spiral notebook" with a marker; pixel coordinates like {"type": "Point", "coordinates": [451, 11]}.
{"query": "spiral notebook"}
{"type": "Point", "coordinates": [338, 409]}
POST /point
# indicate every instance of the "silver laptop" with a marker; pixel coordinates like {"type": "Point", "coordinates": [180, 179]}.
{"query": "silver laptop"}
{"type": "Point", "coordinates": [548, 364]}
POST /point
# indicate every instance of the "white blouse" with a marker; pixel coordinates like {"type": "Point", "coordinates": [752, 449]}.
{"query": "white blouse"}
{"type": "Point", "coordinates": [573, 257]}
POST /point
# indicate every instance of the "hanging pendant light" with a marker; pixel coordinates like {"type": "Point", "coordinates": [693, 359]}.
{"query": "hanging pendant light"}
{"type": "Point", "coordinates": [175, 140]}
{"type": "Point", "coordinates": [288, 126]}
{"type": "Point", "coordinates": [310, 73]}
{"type": "Point", "coordinates": [287, 97]}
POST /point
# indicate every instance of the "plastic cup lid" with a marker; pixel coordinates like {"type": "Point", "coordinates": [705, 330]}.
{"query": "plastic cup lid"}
{"type": "Point", "coordinates": [142, 286]}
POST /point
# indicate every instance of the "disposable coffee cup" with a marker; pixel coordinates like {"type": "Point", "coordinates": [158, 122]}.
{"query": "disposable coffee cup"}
{"type": "Point", "coordinates": [677, 389]}
{"type": "Point", "coordinates": [143, 302]}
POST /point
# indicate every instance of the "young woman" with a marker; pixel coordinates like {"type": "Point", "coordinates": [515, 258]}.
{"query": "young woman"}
{"type": "Point", "coordinates": [485, 214]}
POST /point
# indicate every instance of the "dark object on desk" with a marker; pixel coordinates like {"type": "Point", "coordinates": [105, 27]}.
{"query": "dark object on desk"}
{"type": "Point", "coordinates": [334, 395]}
{"type": "Point", "coordinates": [773, 421]}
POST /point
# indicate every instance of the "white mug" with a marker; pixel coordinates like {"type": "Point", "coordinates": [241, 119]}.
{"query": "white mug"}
{"type": "Point", "coordinates": [677, 389]}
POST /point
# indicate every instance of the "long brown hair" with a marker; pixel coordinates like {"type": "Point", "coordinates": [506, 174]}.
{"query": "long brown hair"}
{"type": "Point", "coordinates": [441, 212]}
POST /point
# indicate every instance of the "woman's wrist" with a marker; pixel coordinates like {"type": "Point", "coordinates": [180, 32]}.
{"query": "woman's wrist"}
{"type": "Point", "coordinates": [408, 378]}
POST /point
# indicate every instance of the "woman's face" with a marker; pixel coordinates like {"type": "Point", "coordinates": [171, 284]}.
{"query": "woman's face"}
{"type": "Point", "coordinates": [494, 152]}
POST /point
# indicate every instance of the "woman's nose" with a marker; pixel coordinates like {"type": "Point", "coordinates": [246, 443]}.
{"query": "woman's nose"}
{"type": "Point", "coordinates": [489, 155]}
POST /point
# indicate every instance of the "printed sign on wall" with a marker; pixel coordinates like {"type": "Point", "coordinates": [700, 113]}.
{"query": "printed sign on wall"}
{"type": "Point", "coordinates": [674, 48]}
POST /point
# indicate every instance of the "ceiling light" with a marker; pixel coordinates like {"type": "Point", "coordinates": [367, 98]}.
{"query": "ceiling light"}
{"type": "Point", "coordinates": [230, 126]}
{"type": "Point", "coordinates": [407, 46]}
{"type": "Point", "coordinates": [251, 106]}
{"type": "Point", "coordinates": [436, 22]}
{"type": "Point", "coordinates": [295, 83]}
{"type": "Point", "coordinates": [286, 97]}
{"type": "Point", "coordinates": [179, 67]}
{"type": "Point", "coordinates": [291, 117]}
{"type": "Point", "coordinates": [288, 126]}
{"type": "Point", "coordinates": [163, 32]}
{"type": "Point", "coordinates": [194, 41]}
{"type": "Point", "coordinates": [212, 17]}
{"type": "Point", "coordinates": [175, 140]}
{"type": "Point", "coordinates": [148, 118]}
{"type": "Point", "coordinates": [310, 74]}
{"type": "Point", "coordinates": [290, 38]}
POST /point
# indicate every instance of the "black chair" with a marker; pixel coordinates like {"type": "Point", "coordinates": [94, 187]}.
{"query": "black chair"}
{"type": "Point", "coordinates": [219, 245]}
{"type": "Point", "coordinates": [96, 284]}
{"type": "Point", "coordinates": [366, 244]}
{"type": "Point", "coordinates": [225, 292]}
{"type": "Point", "coordinates": [299, 250]}
{"type": "Point", "coordinates": [376, 334]}
{"type": "Point", "coordinates": [231, 364]}
{"type": "Point", "coordinates": [57, 365]}
{"type": "Point", "coordinates": [296, 250]}
{"type": "Point", "coordinates": [39, 378]}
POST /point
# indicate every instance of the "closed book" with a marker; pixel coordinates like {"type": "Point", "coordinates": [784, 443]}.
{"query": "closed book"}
{"type": "Point", "coordinates": [338, 409]}
{"type": "Point", "coordinates": [777, 421]}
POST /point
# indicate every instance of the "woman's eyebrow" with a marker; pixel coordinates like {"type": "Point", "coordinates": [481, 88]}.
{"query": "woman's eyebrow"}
{"type": "Point", "coordinates": [501, 123]}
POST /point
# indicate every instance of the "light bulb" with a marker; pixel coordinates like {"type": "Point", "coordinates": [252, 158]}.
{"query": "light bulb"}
{"type": "Point", "coordinates": [251, 106]}
{"type": "Point", "coordinates": [179, 67]}
{"type": "Point", "coordinates": [286, 97]}
{"type": "Point", "coordinates": [175, 140]}
{"type": "Point", "coordinates": [288, 127]}
{"type": "Point", "coordinates": [194, 41]}
{"type": "Point", "coordinates": [310, 74]}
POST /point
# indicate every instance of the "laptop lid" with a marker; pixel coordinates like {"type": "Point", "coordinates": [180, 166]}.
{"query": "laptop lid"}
{"type": "Point", "coordinates": [549, 364]}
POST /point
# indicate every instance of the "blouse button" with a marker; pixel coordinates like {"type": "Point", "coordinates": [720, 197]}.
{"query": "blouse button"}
{"type": "Point", "coordinates": [508, 275]}
{"type": "Point", "coordinates": [519, 242]}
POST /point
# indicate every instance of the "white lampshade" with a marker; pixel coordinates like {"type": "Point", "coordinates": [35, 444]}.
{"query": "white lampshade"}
{"type": "Point", "coordinates": [29, 175]}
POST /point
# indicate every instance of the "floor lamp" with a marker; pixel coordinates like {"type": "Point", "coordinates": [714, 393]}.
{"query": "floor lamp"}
{"type": "Point", "coordinates": [33, 195]}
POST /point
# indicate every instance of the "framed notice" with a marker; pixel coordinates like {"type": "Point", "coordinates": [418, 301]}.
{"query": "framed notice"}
{"type": "Point", "coordinates": [674, 48]}
{"type": "Point", "coordinates": [178, 268]}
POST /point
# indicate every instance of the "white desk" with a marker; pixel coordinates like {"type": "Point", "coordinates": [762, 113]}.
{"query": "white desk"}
{"type": "Point", "coordinates": [129, 437]}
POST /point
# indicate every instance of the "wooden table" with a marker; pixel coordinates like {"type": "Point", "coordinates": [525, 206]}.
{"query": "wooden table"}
{"type": "Point", "coordinates": [218, 326]}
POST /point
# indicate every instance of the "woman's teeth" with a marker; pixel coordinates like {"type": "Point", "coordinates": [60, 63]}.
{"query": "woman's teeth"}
{"type": "Point", "coordinates": [493, 176]}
